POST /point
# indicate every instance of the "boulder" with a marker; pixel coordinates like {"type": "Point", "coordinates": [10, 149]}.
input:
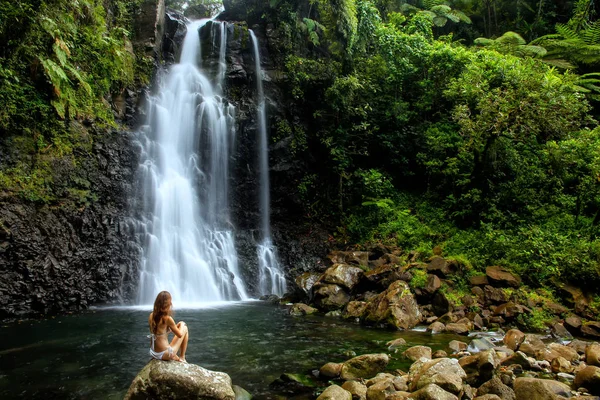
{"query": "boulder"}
{"type": "Point", "coordinates": [380, 390]}
{"type": "Point", "coordinates": [480, 367]}
{"type": "Point", "coordinates": [561, 364]}
{"type": "Point", "coordinates": [330, 297]}
{"type": "Point", "coordinates": [364, 366]}
{"type": "Point", "coordinates": [578, 345]}
{"type": "Point", "coordinates": [495, 386]}
{"type": "Point", "coordinates": [174, 380]}
{"type": "Point", "coordinates": [592, 354]}
{"type": "Point", "coordinates": [502, 277]}
{"type": "Point", "coordinates": [335, 392]}
{"type": "Point", "coordinates": [358, 258]}
{"type": "Point", "coordinates": [508, 310]}
{"type": "Point", "coordinates": [343, 275]}
{"type": "Point", "coordinates": [589, 378]}
{"type": "Point", "coordinates": [432, 285]}
{"type": "Point", "coordinates": [384, 275]}
{"type": "Point", "coordinates": [436, 327]}
{"type": "Point", "coordinates": [564, 351]}
{"type": "Point", "coordinates": [394, 344]}
{"type": "Point", "coordinates": [457, 328]}
{"type": "Point", "coordinates": [559, 331]}
{"type": "Point", "coordinates": [488, 397]}
{"type": "Point", "coordinates": [299, 309]}
{"type": "Point", "coordinates": [395, 307]}
{"type": "Point", "coordinates": [443, 372]}
{"type": "Point", "coordinates": [355, 309]}
{"type": "Point", "coordinates": [480, 344]}
{"type": "Point", "coordinates": [439, 354]}
{"type": "Point", "coordinates": [306, 281]}
{"type": "Point", "coordinates": [479, 280]}
{"type": "Point", "coordinates": [441, 267]}
{"type": "Point", "coordinates": [521, 359]}
{"type": "Point", "coordinates": [532, 346]}
{"type": "Point", "coordinates": [432, 392]}
{"type": "Point", "coordinates": [494, 295]}
{"type": "Point", "coordinates": [573, 324]}
{"type": "Point", "coordinates": [357, 389]}
{"type": "Point", "coordinates": [540, 389]}
{"type": "Point", "coordinates": [457, 346]}
{"type": "Point", "coordinates": [417, 352]}
{"type": "Point", "coordinates": [241, 393]}
{"type": "Point", "coordinates": [591, 329]}
{"type": "Point", "coordinates": [330, 370]}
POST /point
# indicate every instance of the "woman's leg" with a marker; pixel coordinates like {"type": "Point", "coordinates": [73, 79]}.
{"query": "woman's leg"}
{"type": "Point", "coordinates": [180, 343]}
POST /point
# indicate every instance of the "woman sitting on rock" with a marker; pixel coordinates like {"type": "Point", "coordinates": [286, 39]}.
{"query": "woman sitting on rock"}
{"type": "Point", "coordinates": [161, 322]}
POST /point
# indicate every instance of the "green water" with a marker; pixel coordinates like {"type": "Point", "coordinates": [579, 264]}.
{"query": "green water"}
{"type": "Point", "coordinates": [96, 355]}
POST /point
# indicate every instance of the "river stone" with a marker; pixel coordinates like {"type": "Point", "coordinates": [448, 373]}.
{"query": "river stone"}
{"type": "Point", "coordinates": [355, 309]}
{"type": "Point", "coordinates": [479, 280]}
{"type": "Point", "coordinates": [335, 392]}
{"type": "Point", "coordinates": [592, 354]}
{"type": "Point", "coordinates": [480, 344]}
{"type": "Point", "coordinates": [444, 372]}
{"type": "Point", "coordinates": [175, 380]}
{"type": "Point", "coordinates": [457, 346]}
{"type": "Point", "coordinates": [432, 392]}
{"type": "Point", "coordinates": [457, 328]}
{"type": "Point", "coordinates": [241, 393]}
{"type": "Point", "coordinates": [441, 267]}
{"type": "Point", "coordinates": [343, 275]}
{"type": "Point", "coordinates": [330, 370]}
{"type": "Point", "coordinates": [439, 354]}
{"type": "Point", "coordinates": [394, 344]}
{"type": "Point", "coordinates": [502, 277]}
{"type": "Point", "coordinates": [540, 389]}
{"type": "Point", "coordinates": [299, 309]}
{"type": "Point", "coordinates": [380, 390]}
{"type": "Point", "coordinates": [561, 364]}
{"type": "Point", "coordinates": [488, 397]}
{"type": "Point", "coordinates": [513, 339]}
{"type": "Point", "coordinates": [436, 327]}
{"type": "Point", "coordinates": [591, 329]}
{"type": "Point", "coordinates": [519, 358]}
{"type": "Point", "coordinates": [330, 297]}
{"type": "Point", "coordinates": [306, 281]}
{"type": "Point", "coordinates": [560, 332]}
{"type": "Point", "coordinates": [579, 345]}
{"type": "Point", "coordinates": [416, 352]}
{"type": "Point", "coordinates": [564, 351]}
{"type": "Point", "coordinates": [495, 386]}
{"type": "Point", "coordinates": [396, 307]}
{"type": "Point", "coordinates": [573, 324]}
{"type": "Point", "coordinates": [589, 378]}
{"type": "Point", "coordinates": [382, 376]}
{"type": "Point", "coordinates": [532, 346]}
{"type": "Point", "coordinates": [364, 366]}
{"type": "Point", "coordinates": [357, 389]}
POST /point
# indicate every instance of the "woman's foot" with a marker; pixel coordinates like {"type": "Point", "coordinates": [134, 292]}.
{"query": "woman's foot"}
{"type": "Point", "coordinates": [183, 360]}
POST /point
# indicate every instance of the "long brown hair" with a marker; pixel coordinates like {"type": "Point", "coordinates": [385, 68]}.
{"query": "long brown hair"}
{"type": "Point", "coordinates": [161, 308]}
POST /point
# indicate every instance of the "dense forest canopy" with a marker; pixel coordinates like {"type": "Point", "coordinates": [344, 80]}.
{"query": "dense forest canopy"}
{"type": "Point", "coordinates": [469, 125]}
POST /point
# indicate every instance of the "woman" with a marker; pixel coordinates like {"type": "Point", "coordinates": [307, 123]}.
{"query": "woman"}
{"type": "Point", "coordinates": [161, 322]}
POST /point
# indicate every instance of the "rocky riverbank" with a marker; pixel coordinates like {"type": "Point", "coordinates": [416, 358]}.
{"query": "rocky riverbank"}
{"type": "Point", "coordinates": [388, 287]}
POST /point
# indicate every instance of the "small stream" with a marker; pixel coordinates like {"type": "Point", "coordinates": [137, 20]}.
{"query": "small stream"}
{"type": "Point", "coordinates": [96, 355]}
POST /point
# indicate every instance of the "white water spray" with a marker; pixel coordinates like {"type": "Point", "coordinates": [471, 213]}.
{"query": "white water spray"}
{"type": "Point", "coordinates": [189, 247]}
{"type": "Point", "coordinates": [271, 279]}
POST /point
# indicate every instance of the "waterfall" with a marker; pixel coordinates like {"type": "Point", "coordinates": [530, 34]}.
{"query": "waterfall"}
{"type": "Point", "coordinates": [189, 248]}
{"type": "Point", "coordinates": [271, 279]}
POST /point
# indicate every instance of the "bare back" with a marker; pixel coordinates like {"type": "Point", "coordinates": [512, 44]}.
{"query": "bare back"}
{"type": "Point", "coordinates": [161, 341]}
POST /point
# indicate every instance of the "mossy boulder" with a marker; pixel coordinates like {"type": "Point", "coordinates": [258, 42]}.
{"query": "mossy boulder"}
{"type": "Point", "coordinates": [365, 366]}
{"type": "Point", "coordinates": [395, 307]}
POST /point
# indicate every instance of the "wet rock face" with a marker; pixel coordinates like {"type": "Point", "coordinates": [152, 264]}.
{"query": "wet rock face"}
{"type": "Point", "coordinates": [65, 258]}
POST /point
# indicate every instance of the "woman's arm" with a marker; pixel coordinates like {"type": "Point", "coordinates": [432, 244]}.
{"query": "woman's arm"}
{"type": "Point", "coordinates": [174, 328]}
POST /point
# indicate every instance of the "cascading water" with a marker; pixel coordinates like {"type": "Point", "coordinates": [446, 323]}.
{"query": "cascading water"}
{"type": "Point", "coordinates": [271, 278]}
{"type": "Point", "coordinates": [189, 247]}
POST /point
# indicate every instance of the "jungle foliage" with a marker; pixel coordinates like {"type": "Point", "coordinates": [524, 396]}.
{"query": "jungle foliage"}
{"type": "Point", "coordinates": [60, 62]}
{"type": "Point", "coordinates": [487, 151]}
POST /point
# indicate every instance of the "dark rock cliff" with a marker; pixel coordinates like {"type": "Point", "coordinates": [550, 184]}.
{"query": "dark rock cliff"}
{"type": "Point", "coordinates": [59, 258]}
